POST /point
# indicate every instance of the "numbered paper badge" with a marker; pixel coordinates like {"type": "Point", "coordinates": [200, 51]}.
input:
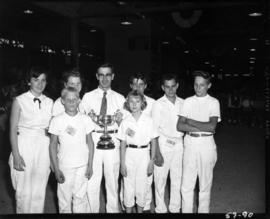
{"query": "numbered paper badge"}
{"type": "Point", "coordinates": [70, 130]}
{"type": "Point", "coordinates": [170, 142]}
{"type": "Point", "coordinates": [130, 132]}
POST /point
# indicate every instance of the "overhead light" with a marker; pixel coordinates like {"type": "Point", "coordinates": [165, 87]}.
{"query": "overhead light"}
{"type": "Point", "coordinates": [89, 55]}
{"type": "Point", "coordinates": [255, 14]}
{"type": "Point", "coordinates": [206, 62]}
{"type": "Point", "coordinates": [252, 58]}
{"type": "Point", "coordinates": [165, 42]}
{"type": "Point", "coordinates": [126, 23]}
{"type": "Point", "coordinates": [251, 61]}
{"type": "Point", "coordinates": [252, 50]}
{"type": "Point", "coordinates": [93, 30]}
{"type": "Point", "coordinates": [253, 39]}
{"type": "Point", "coordinates": [186, 51]}
{"type": "Point", "coordinates": [234, 48]}
{"type": "Point", "coordinates": [27, 11]}
{"type": "Point", "coordinates": [121, 3]}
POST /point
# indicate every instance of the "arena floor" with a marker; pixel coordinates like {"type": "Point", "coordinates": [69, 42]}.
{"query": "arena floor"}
{"type": "Point", "coordinates": [239, 175]}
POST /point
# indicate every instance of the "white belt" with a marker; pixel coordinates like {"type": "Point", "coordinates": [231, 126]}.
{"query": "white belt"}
{"type": "Point", "coordinates": [29, 131]}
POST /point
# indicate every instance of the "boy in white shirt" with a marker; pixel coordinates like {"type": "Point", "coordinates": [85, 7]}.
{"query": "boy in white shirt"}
{"type": "Point", "coordinates": [72, 162]}
{"type": "Point", "coordinates": [136, 132]}
{"type": "Point", "coordinates": [198, 118]}
{"type": "Point", "coordinates": [71, 78]}
{"type": "Point", "coordinates": [165, 115]}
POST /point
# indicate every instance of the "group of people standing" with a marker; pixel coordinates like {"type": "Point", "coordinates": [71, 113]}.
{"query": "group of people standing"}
{"type": "Point", "coordinates": [152, 138]}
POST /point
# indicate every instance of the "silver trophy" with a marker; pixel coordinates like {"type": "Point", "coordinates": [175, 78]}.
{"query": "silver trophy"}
{"type": "Point", "coordinates": [104, 121]}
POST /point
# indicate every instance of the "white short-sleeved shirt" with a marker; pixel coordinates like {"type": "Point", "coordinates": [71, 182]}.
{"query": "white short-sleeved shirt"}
{"type": "Point", "coordinates": [92, 101]}
{"type": "Point", "coordinates": [71, 132]}
{"type": "Point", "coordinates": [201, 108]}
{"type": "Point", "coordinates": [58, 107]}
{"type": "Point", "coordinates": [150, 101]}
{"type": "Point", "coordinates": [139, 132]}
{"type": "Point", "coordinates": [165, 116]}
{"type": "Point", "coordinates": [31, 116]}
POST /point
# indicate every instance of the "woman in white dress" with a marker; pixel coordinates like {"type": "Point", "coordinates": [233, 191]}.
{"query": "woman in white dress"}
{"type": "Point", "coordinates": [29, 161]}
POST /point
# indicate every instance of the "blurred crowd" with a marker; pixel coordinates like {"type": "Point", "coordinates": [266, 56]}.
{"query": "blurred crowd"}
{"type": "Point", "coordinates": [242, 108]}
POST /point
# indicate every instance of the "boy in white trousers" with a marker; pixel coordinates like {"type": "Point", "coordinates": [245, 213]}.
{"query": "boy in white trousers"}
{"type": "Point", "coordinates": [198, 118]}
{"type": "Point", "coordinates": [72, 162]}
{"type": "Point", "coordinates": [165, 115]}
{"type": "Point", "coordinates": [136, 132]}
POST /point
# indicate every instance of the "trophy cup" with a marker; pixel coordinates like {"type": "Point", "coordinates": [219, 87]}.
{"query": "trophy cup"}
{"type": "Point", "coordinates": [104, 121]}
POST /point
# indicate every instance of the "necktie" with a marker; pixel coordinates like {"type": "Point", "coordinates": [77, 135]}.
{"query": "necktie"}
{"type": "Point", "coordinates": [38, 100]}
{"type": "Point", "coordinates": [103, 108]}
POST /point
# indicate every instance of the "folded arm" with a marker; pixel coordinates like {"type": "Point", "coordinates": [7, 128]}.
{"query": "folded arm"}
{"type": "Point", "coordinates": [183, 126]}
{"type": "Point", "coordinates": [209, 126]}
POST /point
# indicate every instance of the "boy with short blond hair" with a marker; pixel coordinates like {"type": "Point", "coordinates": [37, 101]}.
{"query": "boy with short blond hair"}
{"type": "Point", "coordinates": [72, 161]}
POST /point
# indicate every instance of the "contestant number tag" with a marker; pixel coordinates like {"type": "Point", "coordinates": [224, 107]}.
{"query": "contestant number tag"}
{"type": "Point", "coordinates": [70, 130]}
{"type": "Point", "coordinates": [170, 143]}
{"type": "Point", "coordinates": [130, 132]}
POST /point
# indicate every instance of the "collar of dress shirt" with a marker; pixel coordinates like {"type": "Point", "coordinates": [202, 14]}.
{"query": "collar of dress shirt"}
{"type": "Point", "coordinates": [165, 99]}
{"type": "Point", "coordinates": [100, 91]}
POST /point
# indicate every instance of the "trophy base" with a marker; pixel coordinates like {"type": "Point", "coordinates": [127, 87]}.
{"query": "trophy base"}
{"type": "Point", "coordinates": [105, 144]}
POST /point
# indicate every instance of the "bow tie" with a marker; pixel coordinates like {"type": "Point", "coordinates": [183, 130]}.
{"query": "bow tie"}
{"type": "Point", "coordinates": [39, 101]}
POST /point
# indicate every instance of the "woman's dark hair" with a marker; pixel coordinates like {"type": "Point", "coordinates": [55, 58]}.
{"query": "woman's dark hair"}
{"type": "Point", "coordinates": [35, 72]}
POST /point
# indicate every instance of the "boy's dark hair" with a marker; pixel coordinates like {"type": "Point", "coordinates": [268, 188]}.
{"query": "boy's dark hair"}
{"type": "Point", "coordinates": [107, 65]}
{"type": "Point", "coordinates": [136, 94]}
{"type": "Point", "coordinates": [138, 76]}
{"type": "Point", "coordinates": [167, 77]}
{"type": "Point", "coordinates": [203, 74]}
{"type": "Point", "coordinates": [71, 73]}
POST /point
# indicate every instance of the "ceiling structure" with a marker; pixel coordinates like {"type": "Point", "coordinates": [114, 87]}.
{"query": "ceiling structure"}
{"type": "Point", "coordinates": [220, 34]}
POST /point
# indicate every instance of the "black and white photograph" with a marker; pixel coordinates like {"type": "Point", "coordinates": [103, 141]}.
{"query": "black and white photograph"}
{"type": "Point", "coordinates": [134, 107]}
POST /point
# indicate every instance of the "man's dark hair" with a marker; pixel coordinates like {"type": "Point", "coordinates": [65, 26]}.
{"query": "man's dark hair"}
{"type": "Point", "coordinates": [107, 65]}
